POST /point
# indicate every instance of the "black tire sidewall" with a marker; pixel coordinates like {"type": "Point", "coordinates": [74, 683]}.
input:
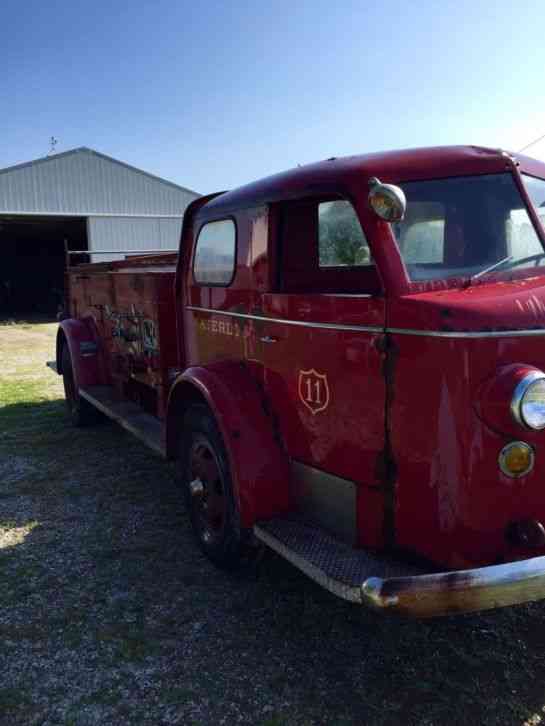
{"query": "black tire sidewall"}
{"type": "Point", "coordinates": [81, 412]}
{"type": "Point", "coordinates": [224, 551]}
{"type": "Point", "coordinates": [73, 403]}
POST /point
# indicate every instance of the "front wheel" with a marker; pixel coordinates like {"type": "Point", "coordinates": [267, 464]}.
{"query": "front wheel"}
{"type": "Point", "coordinates": [208, 489]}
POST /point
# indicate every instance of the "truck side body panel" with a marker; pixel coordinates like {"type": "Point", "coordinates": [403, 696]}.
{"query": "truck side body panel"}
{"type": "Point", "coordinates": [131, 305]}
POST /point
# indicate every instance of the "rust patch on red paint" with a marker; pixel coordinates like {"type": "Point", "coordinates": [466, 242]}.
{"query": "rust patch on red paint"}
{"type": "Point", "coordinates": [386, 466]}
{"type": "Point", "coordinates": [452, 581]}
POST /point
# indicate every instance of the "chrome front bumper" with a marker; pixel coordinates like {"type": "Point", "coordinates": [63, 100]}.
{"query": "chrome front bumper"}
{"type": "Point", "coordinates": [458, 591]}
{"type": "Point", "coordinates": [372, 579]}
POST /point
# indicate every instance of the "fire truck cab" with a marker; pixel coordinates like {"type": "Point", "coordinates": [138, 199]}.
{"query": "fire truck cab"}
{"type": "Point", "coordinates": [347, 362]}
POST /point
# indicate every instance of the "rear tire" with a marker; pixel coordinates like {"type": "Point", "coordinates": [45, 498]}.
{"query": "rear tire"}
{"type": "Point", "coordinates": [208, 490]}
{"type": "Point", "coordinates": [81, 412]}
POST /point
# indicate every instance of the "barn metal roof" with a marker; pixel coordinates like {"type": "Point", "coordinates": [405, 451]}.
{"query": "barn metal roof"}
{"type": "Point", "coordinates": [85, 182]}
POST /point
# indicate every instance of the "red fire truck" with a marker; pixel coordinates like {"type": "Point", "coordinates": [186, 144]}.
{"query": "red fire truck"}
{"type": "Point", "coordinates": [347, 362]}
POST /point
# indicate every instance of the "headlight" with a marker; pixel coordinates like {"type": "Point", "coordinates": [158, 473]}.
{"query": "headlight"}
{"type": "Point", "coordinates": [528, 402]}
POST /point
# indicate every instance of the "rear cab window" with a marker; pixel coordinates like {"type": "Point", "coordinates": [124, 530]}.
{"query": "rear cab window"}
{"type": "Point", "coordinates": [215, 253]}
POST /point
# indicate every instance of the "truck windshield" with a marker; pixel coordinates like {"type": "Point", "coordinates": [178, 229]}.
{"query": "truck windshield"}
{"type": "Point", "coordinates": [469, 226]}
{"type": "Point", "coordinates": [536, 190]}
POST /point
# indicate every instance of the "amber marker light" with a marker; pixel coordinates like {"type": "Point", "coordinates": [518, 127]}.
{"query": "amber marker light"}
{"type": "Point", "coordinates": [516, 459]}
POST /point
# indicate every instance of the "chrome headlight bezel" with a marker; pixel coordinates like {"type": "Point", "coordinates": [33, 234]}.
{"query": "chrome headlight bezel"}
{"type": "Point", "coordinates": [517, 401]}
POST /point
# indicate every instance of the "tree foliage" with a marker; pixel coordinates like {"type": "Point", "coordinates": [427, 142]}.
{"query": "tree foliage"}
{"type": "Point", "coordinates": [341, 238]}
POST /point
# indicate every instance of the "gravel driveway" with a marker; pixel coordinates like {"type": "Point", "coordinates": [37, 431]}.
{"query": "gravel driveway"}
{"type": "Point", "coordinates": [110, 615]}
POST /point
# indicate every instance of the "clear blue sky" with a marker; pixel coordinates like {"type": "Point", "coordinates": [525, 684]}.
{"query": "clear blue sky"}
{"type": "Point", "coordinates": [215, 94]}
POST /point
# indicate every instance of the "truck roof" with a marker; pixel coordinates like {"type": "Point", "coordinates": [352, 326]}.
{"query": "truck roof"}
{"type": "Point", "coordinates": [389, 166]}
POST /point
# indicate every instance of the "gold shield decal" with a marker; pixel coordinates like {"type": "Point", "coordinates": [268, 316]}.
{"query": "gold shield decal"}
{"type": "Point", "coordinates": [314, 390]}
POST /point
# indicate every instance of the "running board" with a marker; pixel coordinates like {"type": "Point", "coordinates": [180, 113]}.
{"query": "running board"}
{"type": "Point", "coordinates": [128, 414]}
{"type": "Point", "coordinates": [53, 365]}
{"type": "Point", "coordinates": [339, 568]}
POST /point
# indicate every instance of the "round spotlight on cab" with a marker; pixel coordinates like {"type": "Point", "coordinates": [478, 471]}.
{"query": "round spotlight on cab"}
{"type": "Point", "coordinates": [386, 200]}
{"type": "Point", "coordinates": [516, 459]}
{"type": "Point", "coordinates": [528, 402]}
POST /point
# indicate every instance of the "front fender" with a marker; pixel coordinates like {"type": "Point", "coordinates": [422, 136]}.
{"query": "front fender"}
{"type": "Point", "coordinates": [258, 462]}
{"type": "Point", "coordinates": [83, 343]}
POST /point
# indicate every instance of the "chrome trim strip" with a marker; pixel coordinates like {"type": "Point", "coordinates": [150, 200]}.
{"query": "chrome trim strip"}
{"type": "Point", "coordinates": [376, 328]}
{"type": "Point", "coordinates": [300, 323]}
{"type": "Point", "coordinates": [466, 334]}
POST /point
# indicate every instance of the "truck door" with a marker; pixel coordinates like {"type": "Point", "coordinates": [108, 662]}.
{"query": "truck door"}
{"type": "Point", "coordinates": [322, 363]}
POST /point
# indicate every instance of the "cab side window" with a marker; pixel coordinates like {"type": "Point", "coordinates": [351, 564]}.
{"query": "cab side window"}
{"type": "Point", "coordinates": [342, 242]}
{"type": "Point", "coordinates": [322, 249]}
{"type": "Point", "coordinates": [215, 253]}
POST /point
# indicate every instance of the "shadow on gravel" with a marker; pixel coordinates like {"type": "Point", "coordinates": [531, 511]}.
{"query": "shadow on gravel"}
{"type": "Point", "coordinates": [109, 614]}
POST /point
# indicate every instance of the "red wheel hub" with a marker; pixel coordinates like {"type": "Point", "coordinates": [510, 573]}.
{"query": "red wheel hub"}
{"type": "Point", "coordinates": [207, 490]}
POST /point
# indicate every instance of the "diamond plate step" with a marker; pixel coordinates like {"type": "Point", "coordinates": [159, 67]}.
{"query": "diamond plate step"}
{"type": "Point", "coordinates": [333, 564]}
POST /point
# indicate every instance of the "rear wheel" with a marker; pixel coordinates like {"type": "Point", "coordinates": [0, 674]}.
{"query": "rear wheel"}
{"type": "Point", "coordinates": [81, 412]}
{"type": "Point", "coordinates": [208, 489]}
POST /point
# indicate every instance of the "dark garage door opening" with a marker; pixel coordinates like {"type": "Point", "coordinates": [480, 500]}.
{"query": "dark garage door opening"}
{"type": "Point", "coordinates": [32, 262]}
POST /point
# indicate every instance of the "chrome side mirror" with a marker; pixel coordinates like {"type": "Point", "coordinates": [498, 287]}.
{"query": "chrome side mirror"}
{"type": "Point", "coordinates": [386, 200]}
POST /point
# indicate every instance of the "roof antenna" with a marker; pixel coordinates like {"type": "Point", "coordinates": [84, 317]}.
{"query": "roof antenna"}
{"type": "Point", "coordinates": [52, 145]}
{"type": "Point", "coordinates": [535, 141]}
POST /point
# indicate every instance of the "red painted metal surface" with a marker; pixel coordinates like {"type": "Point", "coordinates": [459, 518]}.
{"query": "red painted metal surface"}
{"type": "Point", "coordinates": [491, 306]}
{"type": "Point", "coordinates": [83, 340]}
{"type": "Point", "coordinates": [453, 504]}
{"type": "Point", "coordinates": [359, 386]}
{"type": "Point", "coordinates": [326, 386]}
{"type": "Point", "coordinates": [130, 306]}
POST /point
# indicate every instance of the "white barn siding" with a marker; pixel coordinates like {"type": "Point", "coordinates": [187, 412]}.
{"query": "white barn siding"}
{"type": "Point", "coordinates": [132, 233]}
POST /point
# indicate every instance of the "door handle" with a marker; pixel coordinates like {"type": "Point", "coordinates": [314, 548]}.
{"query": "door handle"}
{"type": "Point", "coordinates": [268, 339]}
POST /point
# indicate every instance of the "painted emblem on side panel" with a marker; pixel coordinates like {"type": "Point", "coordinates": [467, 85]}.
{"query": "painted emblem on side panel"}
{"type": "Point", "coordinates": [314, 390]}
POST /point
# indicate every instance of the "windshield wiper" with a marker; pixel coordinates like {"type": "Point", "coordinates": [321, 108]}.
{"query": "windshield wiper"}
{"type": "Point", "coordinates": [492, 267]}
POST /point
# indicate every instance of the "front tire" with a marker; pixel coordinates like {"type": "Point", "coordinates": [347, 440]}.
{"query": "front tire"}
{"type": "Point", "coordinates": [81, 412]}
{"type": "Point", "coordinates": [208, 489]}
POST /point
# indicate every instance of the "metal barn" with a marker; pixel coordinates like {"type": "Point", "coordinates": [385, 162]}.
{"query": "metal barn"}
{"type": "Point", "coordinates": [81, 200]}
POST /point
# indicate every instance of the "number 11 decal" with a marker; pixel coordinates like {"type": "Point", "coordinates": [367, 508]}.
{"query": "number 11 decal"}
{"type": "Point", "coordinates": [314, 390]}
